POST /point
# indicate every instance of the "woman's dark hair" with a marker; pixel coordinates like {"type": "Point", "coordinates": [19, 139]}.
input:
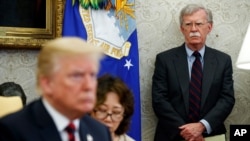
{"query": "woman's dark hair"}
{"type": "Point", "coordinates": [12, 89]}
{"type": "Point", "coordinates": [108, 83]}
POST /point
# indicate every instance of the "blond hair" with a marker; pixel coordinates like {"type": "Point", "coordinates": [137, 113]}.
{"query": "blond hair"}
{"type": "Point", "coordinates": [63, 47]}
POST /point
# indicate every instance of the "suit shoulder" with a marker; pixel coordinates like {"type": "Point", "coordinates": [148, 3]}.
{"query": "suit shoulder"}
{"type": "Point", "coordinates": [171, 51]}
{"type": "Point", "coordinates": [92, 122]}
{"type": "Point", "coordinates": [218, 53]}
{"type": "Point", "coordinates": [18, 116]}
{"type": "Point", "coordinates": [96, 128]}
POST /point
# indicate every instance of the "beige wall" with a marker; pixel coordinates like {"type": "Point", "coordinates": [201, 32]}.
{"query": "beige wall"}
{"type": "Point", "coordinates": [158, 30]}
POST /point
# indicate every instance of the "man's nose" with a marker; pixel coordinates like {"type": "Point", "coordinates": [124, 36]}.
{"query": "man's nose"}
{"type": "Point", "coordinates": [193, 27]}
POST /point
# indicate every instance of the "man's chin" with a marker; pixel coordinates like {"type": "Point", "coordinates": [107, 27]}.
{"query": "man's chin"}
{"type": "Point", "coordinates": [87, 108]}
{"type": "Point", "coordinates": [195, 39]}
{"type": "Point", "coordinates": [195, 42]}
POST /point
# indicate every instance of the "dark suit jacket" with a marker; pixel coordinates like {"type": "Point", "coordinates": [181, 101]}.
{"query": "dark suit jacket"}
{"type": "Point", "coordinates": [170, 91]}
{"type": "Point", "coordinates": [34, 123]}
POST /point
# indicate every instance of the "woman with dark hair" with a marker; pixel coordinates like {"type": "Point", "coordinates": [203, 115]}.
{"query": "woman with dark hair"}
{"type": "Point", "coordinates": [114, 106]}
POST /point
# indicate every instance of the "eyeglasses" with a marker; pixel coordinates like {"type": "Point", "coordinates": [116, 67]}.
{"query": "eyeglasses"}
{"type": "Point", "coordinates": [189, 25]}
{"type": "Point", "coordinates": [102, 114]}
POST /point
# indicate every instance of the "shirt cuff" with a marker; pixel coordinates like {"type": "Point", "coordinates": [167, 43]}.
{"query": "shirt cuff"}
{"type": "Point", "coordinates": [207, 126]}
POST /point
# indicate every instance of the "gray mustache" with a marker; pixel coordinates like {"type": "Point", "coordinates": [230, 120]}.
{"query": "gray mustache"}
{"type": "Point", "coordinates": [196, 34]}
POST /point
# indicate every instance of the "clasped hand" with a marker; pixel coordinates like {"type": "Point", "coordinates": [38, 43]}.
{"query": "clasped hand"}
{"type": "Point", "coordinates": [192, 131]}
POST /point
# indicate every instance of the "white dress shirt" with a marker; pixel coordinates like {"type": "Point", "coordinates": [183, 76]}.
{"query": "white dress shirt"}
{"type": "Point", "coordinates": [61, 121]}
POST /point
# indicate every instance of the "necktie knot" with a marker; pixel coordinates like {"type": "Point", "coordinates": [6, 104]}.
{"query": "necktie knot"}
{"type": "Point", "coordinates": [196, 54]}
{"type": "Point", "coordinates": [70, 129]}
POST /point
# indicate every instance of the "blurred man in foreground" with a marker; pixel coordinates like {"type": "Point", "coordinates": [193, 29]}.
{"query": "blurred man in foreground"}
{"type": "Point", "coordinates": [67, 80]}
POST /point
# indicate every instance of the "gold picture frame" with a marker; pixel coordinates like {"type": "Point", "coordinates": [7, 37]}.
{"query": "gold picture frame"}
{"type": "Point", "coordinates": [33, 38]}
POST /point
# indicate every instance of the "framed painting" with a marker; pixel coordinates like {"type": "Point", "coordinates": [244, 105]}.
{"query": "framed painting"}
{"type": "Point", "coordinates": [30, 23]}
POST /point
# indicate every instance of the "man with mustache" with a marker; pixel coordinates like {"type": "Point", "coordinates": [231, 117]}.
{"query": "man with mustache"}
{"type": "Point", "coordinates": [192, 87]}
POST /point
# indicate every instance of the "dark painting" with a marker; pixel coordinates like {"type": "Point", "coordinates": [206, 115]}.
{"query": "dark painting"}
{"type": "Point", "coordinates": [23, 13]}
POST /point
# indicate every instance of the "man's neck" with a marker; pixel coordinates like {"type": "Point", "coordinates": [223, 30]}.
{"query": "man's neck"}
{"type": "Point", "coordinates": [195, 47]}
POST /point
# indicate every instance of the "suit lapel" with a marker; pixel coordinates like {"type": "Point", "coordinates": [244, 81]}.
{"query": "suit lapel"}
{"type": "Point", "coordinates": [47, 127]}
{"type": "Point", "coordinates": [50, 133]}
{"type": "Point", "coordinates": [83, 130]}
{"type": "Point", "coordinates": [181, 65]}
{"type": "Point", "coordinates": [209, 69]}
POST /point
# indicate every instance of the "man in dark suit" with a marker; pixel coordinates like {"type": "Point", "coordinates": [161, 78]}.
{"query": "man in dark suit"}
{"type": "Point", "coordinates": [172, 83]}
{"type": "Point", "coordinates": [67, 80]}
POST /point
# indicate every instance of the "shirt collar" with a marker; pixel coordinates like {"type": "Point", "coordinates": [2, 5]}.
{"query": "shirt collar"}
{"type": "Point", "coordinates": [190, 52]}
{"type": "Point", "coordinates": [60, 120]}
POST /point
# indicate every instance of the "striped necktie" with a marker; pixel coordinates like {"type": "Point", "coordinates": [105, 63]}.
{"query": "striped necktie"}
{"type": "Point", "coordinates": [70, 129]}
{"type": "Point", "coordinates": [195, 89]}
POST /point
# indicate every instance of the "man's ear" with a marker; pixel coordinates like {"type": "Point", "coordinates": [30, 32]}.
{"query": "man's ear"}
{"type": "Point", "coordinates": [46, 84]}
{"type": "Point", "coordinates": [210, 27]}
{"type": "Point", "coordinates": [181, 29]}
